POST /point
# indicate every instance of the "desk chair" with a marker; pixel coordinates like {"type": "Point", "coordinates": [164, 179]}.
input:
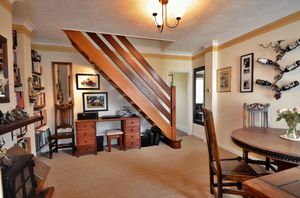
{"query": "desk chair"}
{"type": "Point", "coordinates": [229, 173]}
{"type": "Point", "coordinates": [256, 115]}
{"type": "Point", "coordinates": [114, 134]}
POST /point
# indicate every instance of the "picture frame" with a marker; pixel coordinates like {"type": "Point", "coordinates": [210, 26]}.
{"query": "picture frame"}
{"type": "Point", "coordinates": [224, 80]}
{"type": "Point", "coordinates": [87, 81]}
{"type": "Point", "coordinates": [246, 73]}
{"type": "Point", "coordinates": [94, 101]}
{"type": "Point", "coordinates": [4, 87]}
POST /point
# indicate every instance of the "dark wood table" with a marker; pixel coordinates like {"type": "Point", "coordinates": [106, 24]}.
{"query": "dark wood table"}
{"type": "Point", "coordinates": [282, 184]}
{"type": "Point", "coordinates": [266, 142]}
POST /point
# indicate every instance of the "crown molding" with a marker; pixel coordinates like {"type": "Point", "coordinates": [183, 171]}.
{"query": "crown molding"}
{"type": "Point", "coordinates": [257, 32]}
{"type": "Point", "coordinates": [22, 21]}
{"type": "Point", "coordinates": [22, 29]}
{"type": "Point", "coordinates": [262, 30]}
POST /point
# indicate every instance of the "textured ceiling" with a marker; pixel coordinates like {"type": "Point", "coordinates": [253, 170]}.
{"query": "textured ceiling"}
{"type": "Point", "coordinates": [203, 21]}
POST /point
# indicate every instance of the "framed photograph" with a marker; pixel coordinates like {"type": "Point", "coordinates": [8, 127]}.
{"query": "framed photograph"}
{"type": "Point", "coordinates": [87, 81]}
{"type": "Point", "coordinates": [224, 79]}
{"type": "Point", "coordinates": [4, 88]}
{"type": "Point", "coordinates": [94, 101]}
{"type": "Point", "coordinates": [246, 75]}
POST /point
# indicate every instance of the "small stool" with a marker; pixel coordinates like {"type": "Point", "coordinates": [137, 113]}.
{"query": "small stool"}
{"type": "Point", "coordinates": [112, 134]}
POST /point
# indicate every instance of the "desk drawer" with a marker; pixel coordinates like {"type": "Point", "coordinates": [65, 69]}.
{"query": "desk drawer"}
{"type": "Point", "coordinates": [86, 132]}
{"type": "Point", "coordinates": [132, 129]}
{"type": "Point", "coordinates": [86, 149]}
{"type": "Point", "coordinates": [86, 125]}
{"type": "Point", "coordinates": [132, 143]}
{"type": "Point", "coordinates": [88, 140]}
{"type": "Point", "coordinates": [132, 122]}
{"type": "Point", "coordinates": [133, 136]}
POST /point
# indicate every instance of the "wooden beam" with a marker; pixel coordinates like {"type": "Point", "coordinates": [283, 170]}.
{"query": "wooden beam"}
{"type": "Point", "coordinates": [145, 90]}
{"type": "Point", "coordinates": [145, 64]}
{"type": "Point", "coordinates": [139, 99]}
{"type": "Point", "coordinates": [137, 69]}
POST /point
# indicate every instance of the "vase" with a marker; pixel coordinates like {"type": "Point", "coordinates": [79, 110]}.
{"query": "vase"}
{"type": "Point", "coordinates": [291, 132]}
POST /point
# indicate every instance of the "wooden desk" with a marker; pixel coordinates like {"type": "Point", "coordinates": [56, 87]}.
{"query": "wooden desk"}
{"type": "Point", "coordinates": [266, 142]}
{"type": "Point", "coordinates": [86, 133]}
{"type": "Point", "coordinates": [282, 184]}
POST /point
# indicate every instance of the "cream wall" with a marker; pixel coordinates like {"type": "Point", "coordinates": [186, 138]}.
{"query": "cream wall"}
{"type": "Point", "coordinates": [229, 105]}
{"type": "Point", "coordinates": [6, 31]}
{"type": "Point", "coordinates": [181, 83]}
{"type": "Point", "coordinates": [165, 66]}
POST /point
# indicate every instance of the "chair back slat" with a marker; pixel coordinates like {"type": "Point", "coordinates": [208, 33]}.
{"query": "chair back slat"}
{"type": "Point", "coordinates": [211, 138]}
{"type": "Point", "coordinates": [255, 115]}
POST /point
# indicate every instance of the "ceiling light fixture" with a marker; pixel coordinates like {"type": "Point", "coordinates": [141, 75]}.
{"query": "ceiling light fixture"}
{"type": "Point", "coordinates": [161, 21]}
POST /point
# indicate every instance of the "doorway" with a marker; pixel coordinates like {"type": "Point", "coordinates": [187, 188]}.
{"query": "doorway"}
{"type": "Point", "coordinates": [199, 95]}
{"type": "Point", "coordinates": [181, 80]}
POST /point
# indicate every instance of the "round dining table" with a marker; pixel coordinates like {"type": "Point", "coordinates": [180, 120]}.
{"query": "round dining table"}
{"type": "Point", "coordinates": [267, 142]}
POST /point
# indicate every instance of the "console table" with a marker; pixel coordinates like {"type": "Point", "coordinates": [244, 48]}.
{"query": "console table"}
{"type": "Point", "coordinates": [86, 133]}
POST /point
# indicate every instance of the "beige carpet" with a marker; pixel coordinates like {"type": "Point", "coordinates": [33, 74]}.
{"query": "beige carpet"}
{"type": "Point", "coordinates": [156, 171]}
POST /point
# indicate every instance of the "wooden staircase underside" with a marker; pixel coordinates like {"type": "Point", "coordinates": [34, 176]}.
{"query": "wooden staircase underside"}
{"type": "Point", "coordinates": [148, 93]}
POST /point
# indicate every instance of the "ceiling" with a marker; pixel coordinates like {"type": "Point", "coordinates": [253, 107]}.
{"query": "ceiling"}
{"type": "Point", "coordinates": [203, 21]}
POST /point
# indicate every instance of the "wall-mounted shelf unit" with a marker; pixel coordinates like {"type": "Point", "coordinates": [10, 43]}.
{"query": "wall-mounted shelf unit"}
{"type": "Point", "coordinates": [18, 124]}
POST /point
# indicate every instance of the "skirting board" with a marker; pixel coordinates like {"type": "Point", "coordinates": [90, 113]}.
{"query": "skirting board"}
{"type": "Point", "coordinates": [182, 128]}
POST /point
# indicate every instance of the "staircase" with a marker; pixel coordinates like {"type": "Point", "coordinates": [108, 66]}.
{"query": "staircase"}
{"type": "Point", "coordinates": [124, 67]}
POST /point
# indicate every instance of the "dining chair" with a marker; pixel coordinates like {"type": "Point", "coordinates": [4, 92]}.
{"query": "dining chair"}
{"type": "Point", "coordinates": [256, 115]}
{"type": "Point", "coordinates": [229, 173]}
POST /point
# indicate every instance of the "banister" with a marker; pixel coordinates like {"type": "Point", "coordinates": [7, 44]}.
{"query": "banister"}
{"type": "Point", "coordinates": [145, 90]}
{"type": "Point", "coordinates": [144, 63]}
{"type": "Point", "coordinates": [137, 69]}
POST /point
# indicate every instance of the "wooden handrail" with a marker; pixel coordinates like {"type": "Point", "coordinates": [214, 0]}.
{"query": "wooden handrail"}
{"type": "Point", "coordinates": [139, 84]}
{"type": "Point", "coordinates": [95, 56]}
{"type": "Point", "coordinates": [137, 69]}
{"type": "Point", "coordinates": [145, 64]}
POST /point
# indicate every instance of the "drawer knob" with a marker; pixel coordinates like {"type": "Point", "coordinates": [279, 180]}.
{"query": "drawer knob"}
{"type": "Point", "coordinates": [85, 133]}
{"type": "Point", "coordinates": [131, 130]}
{"type": "Point", "coordinates": [132, 136]}
{"type": "Point", "coordinates": [85, 141]}
{"type": "Point", "coordinates": [132, 122]}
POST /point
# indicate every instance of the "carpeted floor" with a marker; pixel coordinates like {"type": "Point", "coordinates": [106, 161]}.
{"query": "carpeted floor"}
{"type": "Point", "coordinates": [156, 171]}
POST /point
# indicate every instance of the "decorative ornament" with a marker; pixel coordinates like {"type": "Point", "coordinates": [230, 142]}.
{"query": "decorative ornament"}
{"type": "Point", "coordinates": [280, 51]}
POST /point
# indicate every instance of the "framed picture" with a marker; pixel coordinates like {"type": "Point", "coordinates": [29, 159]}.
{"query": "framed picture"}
{"type": "Point", "coordinates": [246, 76]}
{"type": "Point", "coordinates": [87, 81]}
{"type": "Point", "coordinates": [4, 88]}
{"type": "Point", "coordinates": [224, 79]}
{"type": "Point", "coordinates": [94, 101]}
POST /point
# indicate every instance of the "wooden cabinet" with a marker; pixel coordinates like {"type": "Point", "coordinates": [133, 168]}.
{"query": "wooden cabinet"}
{"type": "Point", "coordinates": [132, 136]}
{"type": "Point", "coordinates": [86, 138]}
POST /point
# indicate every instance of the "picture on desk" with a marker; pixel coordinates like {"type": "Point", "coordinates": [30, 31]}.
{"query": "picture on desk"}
{"type": "Point", "coordinates": [94, 101]}
{"type": "Point", "coordinates": [87, 81]}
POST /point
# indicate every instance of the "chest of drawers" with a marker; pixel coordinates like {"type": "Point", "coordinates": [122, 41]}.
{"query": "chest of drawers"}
{"type": "Point", "coordinates": [132, 136]}
{"type": "Point", "coordinates": [86, 138]}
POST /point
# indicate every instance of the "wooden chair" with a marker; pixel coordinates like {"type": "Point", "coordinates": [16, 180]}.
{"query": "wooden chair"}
{"type": "Point", "coordinates": [256, 115]}
{"type": "Point", "coordinates": [229, 173]}
{"type": "Point", "coordinates": [64, 130]}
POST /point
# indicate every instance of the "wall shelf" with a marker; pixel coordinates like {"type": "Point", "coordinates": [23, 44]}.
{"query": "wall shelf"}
{"type": "Point", "coordinates": [18, 124]}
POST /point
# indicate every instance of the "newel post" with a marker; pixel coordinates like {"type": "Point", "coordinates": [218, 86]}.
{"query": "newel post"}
{"type": "Point", "coordinates": [173, 113]}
